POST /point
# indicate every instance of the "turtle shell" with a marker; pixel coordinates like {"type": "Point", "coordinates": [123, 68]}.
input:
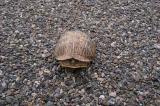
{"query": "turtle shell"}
{"type": "Point", "coordinates": [75, 49]}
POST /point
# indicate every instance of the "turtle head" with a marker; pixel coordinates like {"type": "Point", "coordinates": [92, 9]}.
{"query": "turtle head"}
{"type": "Point", "coordinates": [73, 61]}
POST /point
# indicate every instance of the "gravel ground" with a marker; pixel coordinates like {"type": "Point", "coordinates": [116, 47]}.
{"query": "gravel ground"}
{"type": "Point", "coordinates": [125, 72]}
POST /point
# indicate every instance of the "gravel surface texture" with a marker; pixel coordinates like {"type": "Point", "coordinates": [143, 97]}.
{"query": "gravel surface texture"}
{"type": "Point", "coordinates": [125, 72]}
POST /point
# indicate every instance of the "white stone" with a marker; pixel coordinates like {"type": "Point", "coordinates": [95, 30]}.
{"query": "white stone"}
{"type": "Point", "coordinates": [113, 94]}
{"type": "Point", "coordinates": [157, 46]}
{"type": "Point", "coordinates": [102, 97]}
{"type": "Point", "coordinates": [113, 44]}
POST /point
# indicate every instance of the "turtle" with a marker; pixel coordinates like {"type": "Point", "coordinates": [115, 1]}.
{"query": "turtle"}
{"type": "Point", "coordinates": [75, 49]}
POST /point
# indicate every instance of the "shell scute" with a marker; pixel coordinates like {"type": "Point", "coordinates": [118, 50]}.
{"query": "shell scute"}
{"type": "Point", "coordinates": [75, 45]}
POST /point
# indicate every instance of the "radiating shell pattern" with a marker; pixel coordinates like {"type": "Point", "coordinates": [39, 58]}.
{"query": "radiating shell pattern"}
{"type": "Point", "coordinates": [75, 49]}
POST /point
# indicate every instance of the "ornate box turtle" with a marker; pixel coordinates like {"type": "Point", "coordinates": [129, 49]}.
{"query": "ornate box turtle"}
{"type": "Point", "coordinates": [75, 49]}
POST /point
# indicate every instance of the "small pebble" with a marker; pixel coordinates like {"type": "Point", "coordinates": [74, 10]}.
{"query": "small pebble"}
{"type": "Point", "coordinates": [113, 44]}
{"type": "Point", "coordinates": [82, 91]}
{"type": "Point", "coordinates": [95, 75]}
{"type": "Point", "coordinates": [3, 84]}
{"type": "Point", "coordinates": [16, 31]}
{"type": "Point", "coordinates": [49, 103]}
{"type": "Point", "coordinates": [157, 46]}
{"type": "Point", "coordinates": [113, 94]}
{"type": "Point", "coordinates": [47, 71]}
{"type": "Point", "coordinates": [102, 97]}
{"type": "Point", "coordinates": [1, 72]}
{"type": "Point", "coordinates": [34, 94]}
{"type": "Point", "coordinates": [112, 101]}
{"type": "Point", "coordinates": [18, 78]}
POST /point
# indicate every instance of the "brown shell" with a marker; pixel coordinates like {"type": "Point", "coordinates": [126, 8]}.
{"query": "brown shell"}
{"type": "Point", "coordinates": [77, 46]}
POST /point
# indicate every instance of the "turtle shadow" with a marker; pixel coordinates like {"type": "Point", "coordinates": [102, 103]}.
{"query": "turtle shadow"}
{"type": "Point", "coordinates": [79, 75]}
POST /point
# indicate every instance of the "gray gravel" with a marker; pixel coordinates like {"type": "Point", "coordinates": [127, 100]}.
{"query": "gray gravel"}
{"type": "Point", "coordinates": [126, 71]}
